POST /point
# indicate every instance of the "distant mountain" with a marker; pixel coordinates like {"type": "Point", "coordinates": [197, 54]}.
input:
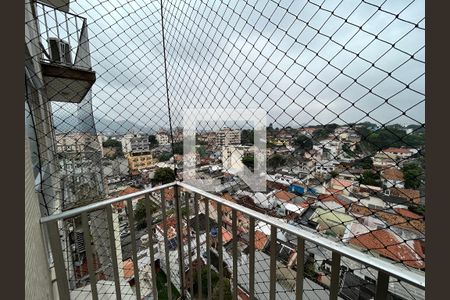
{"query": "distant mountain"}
{"type": "Point", "coordinates": [70, 123]}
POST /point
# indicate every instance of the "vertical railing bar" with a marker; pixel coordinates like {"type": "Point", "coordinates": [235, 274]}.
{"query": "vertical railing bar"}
{"type": "Point", "coordinates": [273, 261]}
{"type": "Point", "coordinates": [46, 28]}
{"type": "Point", "coordinates": [112, 245]}
{"type": "Point", "coordinates": [252, 258]}
{"type": "Point", "coordinates": [235, 252]}
{"type": "Point", "coordinates": [57, 26]}
{"type": "Point", "coordinates": [208, 248]}
{"type": "Point", "coordinates": [197, 239]}
{"type": "Point", "coordinates": [180, 243]}
{"type": "Point", "coordinates": [335, 269]}
{"type": "Point", "coordinates": [58, 260]}
{"type": "Point", "coordinates": [300, 268]}
{"type": "Point", "coordinates": [151, 249]}
{"type": "Point", "coordinates": [89, 255]}
{"type": "Point", "coordinates": [382, 286]}
{"type": "Point", "coordinates": [133, 247]}
{"type": "Point", "coordinates": [67, 28]}
{"type": "Point", "coordinates": [187, 196]}
{"type": "Point", "coordinates": [166, 251]}
{"type": "Point", "coordinates": [220, 248]}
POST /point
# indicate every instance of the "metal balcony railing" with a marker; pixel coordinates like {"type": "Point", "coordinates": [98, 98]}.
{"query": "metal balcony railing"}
{"type": "Point", "coordinates": [63, 37]}
{"type": "Point", "coordinates": [186, 251]}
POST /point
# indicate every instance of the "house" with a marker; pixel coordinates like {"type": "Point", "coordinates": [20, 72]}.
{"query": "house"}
{"type": "Point", "coordinates": [387, 244]}
{"type": "Point", "coordinates": [384, 160]}
{"type": "Point", "coordinates": [400, 153]}
{"type": "Point", "coordinates": [345, 186]}
{"type": "Point", "coordinates": [393, 177]}
{"type": "Point", "coordinates": [409, 195]}
{"type": "Point", "coordinates": [280, 199]}
{"type": "Point", "coordinates": [261, 240]}
{"type": "Point", "coordinates": [311, 290]}
{"type": "Point", "coordinates": [407, 221]}
{"type": "Point", "coordinates": [331, 221]}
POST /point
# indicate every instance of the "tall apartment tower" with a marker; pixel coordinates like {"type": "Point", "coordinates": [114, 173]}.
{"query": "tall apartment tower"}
{"type": "Point", "coordinates": [228, 136]}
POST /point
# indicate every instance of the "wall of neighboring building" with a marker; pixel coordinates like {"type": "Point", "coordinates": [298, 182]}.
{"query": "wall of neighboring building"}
{"type": "Point", "coordinates": [38, 284]}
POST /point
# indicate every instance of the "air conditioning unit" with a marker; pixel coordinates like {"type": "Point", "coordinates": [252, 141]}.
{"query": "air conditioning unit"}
{"type": "Point", "coordinates": [60, 51]}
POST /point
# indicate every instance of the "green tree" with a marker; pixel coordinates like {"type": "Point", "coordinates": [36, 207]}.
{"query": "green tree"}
{"type": "Point", "coordinates": [140, 212]}
{"type": "Point", "coordinates": [276, 161]}
{"type": "Point", "coordinates": [165, 156]}
{"type": "Point", "coordinates": [248, 161]}
{"type": "Point", "coordinates": [334, 174]}
{"type": "Point", "coordinates": [247, 136]}
{"type": "Point", "coordinates": [364, 163]}
{"type": "Point", "coordinates": [347, 150]}
{"type": "Point", "coordinates": [390, 136]}
{"type": "Point", "coordinates": [163, 176]}
{"type": "Point", "coordinates": [412, 174]}
{"type": "Point", "coordinates": [370, 177]}
{"type": "Point", "coordinates": [178, 148]}
{"type": "Point", "coordinates": [152, 141]}
{"type": "Point", "coordinates": [201, 151]}
{"type": "Point", "coordinates": [214, 283]}
{"type": "Point", "coordinates": [302, 142]}
{"type": "Point", "coordinates": [112, 143]}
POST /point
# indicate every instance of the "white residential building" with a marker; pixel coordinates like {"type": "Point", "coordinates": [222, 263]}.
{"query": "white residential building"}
{"type": "Point", "coordinates": [162, 138]}
{"type": "Point", "coordinates": [228, 136]}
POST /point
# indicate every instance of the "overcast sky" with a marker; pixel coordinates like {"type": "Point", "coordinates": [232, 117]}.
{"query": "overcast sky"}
{"type": "Point", "coordinates": [297, 60]}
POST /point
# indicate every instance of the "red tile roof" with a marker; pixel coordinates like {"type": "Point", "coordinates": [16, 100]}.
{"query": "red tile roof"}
{"type": "Point", "coordinates": [341, 182]}
{"type": "Point", "coordinates": [334, 191]}
{"type": "Point", "coordinates": [226, 236]}
{"type": "Point", "coordinates": [402, 222]}
{"type": "Point", "coordinates": [128, 190]}
{"type": "Point", "coordinates": [260, 240]}
{"type": "Point", "coordinates": [169, 194]}
{"type": "Point", "coordinates": [396, 150]}
{"type": "Point", "coordinates": [284, 196]}
{"type": "Point", "coordinates": [407, 214]}
{"type": "Point", "coordinates": [333, 198]}
{"type": "Point", "coordinates": [385, 243]}
{"type": "Point", "coordinates": [409, 194]}
{"type": "Point", "coordinates": [128, 268]}
{"type": "Point", "coordinates": [392, 174]}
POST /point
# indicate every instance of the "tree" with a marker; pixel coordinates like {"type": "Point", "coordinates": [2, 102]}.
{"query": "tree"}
{"type": "Point", "coordinates": [334, 174]}
{"type": "Point", "coordinates": [347, 150]}
{"type": "Point", "coordinates": [165, 156]}
{"type": "Point", "coordinates": [303, 142]}
{"type": "Point", "coordinates": [152, 141]}
{"type": "Point", "coordinates": [370, 178]}
{"type": "Point", "coordinates": [178, 148]}
{"type": "Point", "coordinates": [163, 176]}
{"type": "Point", "coordinates": [140, 213]}
{"type": "Point", "coordinates": [247, 136]}
{"type": "Point", "coordinates": [248, 161]}
{"type": "Point", "coordinates": [390, 136]}
{"type": "Point", "coordinates": [412, 174]}
{"type": "Point", "coordinates": [276, 161]}
{"type": "Point", "coordinates": [201, 151]}
{"type": "Point", "coordinates": [117, 145]}
{"type": "Point", "coordinates": [215, 285]}
{"type": "Point", "coordinates": [112, 143]}
{"type": "Point", "coordinates": [364, 163]}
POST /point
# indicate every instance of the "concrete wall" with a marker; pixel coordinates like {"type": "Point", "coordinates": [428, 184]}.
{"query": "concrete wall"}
{"type": "Point", "coordinates": [37, 274]}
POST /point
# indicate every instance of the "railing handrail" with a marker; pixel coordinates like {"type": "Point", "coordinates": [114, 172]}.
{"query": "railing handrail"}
{"type": "Point", "coordinates": [58, 9]}
{"type": "Point", "coordinates": [397, 271]}
{"type": "Point", "coordinates": [377, 263]}
{"type": "Point", "coordinates": [102, 204]}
